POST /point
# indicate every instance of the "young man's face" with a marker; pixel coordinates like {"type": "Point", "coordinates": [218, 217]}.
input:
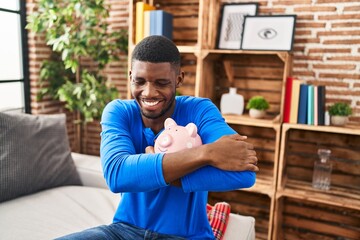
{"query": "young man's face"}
{"type": "Point", "coordinates": [153, 86]}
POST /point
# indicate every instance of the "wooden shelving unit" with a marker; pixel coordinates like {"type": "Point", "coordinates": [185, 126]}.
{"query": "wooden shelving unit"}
{"type": "Point", "coordinates": [254, 73]}
{"type": "Point", "coordinates": [282, 201]}
{"type": "Point", "coordinates": [303, 211]}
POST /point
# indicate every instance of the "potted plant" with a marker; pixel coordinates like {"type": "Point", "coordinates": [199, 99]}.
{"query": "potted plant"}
{"type": "Point", "coordinates": [257, 106]}
{"type": "Point", "coordinates": [82, 46]}
{"type": "Point", "coordinates": [339, 113]}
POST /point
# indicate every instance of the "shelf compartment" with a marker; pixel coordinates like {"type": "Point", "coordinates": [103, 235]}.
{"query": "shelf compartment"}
{"type": "Point", "coordinates": [185, 19]}
{"type": "Point", "coordinates": [266, 143]}
{"type": "Point", "coordinates": [252, 75]}
{"type": "Point", "coordinates": [337, 196]}
{"type": "Point", "coordinates": [252, 204]}
{"type": "Point", "coordinates": [299, 151]}
{"type": "Point", "coordinates": [302, 219]}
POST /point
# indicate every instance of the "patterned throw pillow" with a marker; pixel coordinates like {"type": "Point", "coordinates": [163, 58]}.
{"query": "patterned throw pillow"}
{"type": "Point", "coordinates": [34, 154]}
{"type": "Point", "coordinates": [218, 216]}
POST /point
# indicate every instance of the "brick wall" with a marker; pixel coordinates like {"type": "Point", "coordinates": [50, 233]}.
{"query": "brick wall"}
{"type": "Point", "coordinates": [326, 51]}
{"type": "Point", "coordinates": [327, 45]}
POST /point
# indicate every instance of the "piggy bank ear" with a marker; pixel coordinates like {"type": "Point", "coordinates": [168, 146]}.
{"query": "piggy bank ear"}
{"type": "Point", "coordinates": [192, 129]}
{"type": "Point", "coordinates": [169, 122]}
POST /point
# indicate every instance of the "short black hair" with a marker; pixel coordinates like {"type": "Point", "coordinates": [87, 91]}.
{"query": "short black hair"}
{"type": "Point", "coordinates": [157, 49]}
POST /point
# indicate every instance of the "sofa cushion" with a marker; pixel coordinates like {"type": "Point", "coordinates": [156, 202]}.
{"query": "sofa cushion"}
{"type": "Point", "coordinates": [34, 154]}
{"type": "Point", "coordinates": [56, 212]}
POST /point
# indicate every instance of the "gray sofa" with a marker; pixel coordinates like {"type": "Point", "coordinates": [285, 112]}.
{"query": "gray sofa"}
{"type": "Point", "coordinates": [61, 210]}
{"type": "Point", "coordinates": [48, 191]}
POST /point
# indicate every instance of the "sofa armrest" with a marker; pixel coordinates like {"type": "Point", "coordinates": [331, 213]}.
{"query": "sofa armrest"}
{"type": "Point", "coordinates": [89, 169]}
{"type": "Point", "coordinates": [240, 228]}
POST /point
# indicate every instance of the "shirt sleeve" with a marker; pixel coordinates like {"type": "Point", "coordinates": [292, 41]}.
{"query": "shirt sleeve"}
{"type": "Point", "coordinates": [123, 168]}
{"type": "Point", "coordinates": [211, 127]}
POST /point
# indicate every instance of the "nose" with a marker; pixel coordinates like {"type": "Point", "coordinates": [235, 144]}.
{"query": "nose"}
{"type": "Point", "coordinates": [166, 140]}
{"type": "Point", "coordinates": [148, 89]}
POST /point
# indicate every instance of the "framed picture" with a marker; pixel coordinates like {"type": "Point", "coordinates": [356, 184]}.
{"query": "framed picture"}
{"type": "Point", "coordinates": [231, 24]}
{"type": "Point", "coordinates": [268, 32]}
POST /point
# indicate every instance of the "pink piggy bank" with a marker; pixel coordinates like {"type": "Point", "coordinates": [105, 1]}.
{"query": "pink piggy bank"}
{"type": "Point", "coordinates": [175, 138]}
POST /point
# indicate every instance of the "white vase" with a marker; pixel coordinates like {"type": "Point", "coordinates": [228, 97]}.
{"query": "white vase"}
{"type": "Point", "coordinates": [232, 103]}
{"type": "Point", "coordinates": [255, 113]}
{"type": "Point", "coordinates": [339, 120]}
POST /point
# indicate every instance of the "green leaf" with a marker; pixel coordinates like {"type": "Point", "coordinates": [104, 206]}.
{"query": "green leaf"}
{"type": "Point", "coordinates": [77, 30]}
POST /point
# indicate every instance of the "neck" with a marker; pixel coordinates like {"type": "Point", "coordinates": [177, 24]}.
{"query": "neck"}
{"type": "Point", "coordinates": [155, 124]}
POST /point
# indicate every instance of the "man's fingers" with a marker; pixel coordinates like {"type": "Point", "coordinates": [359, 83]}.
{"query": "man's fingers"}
{"type": "Point", "coordinates": [238, 137]}
{"type": "Point", "coordinates": [254, 168]}
{"type": "Point", "coordinates": [250, 146]}
{"type": "Point", "coordinates": [251, 152]}
{"type": "Point", "coordinates": [149, 149]}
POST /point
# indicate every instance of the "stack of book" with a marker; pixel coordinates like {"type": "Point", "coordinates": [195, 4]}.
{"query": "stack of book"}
{"type": "Point", "coordinates": [150, 21]}
{"type": "Point", "coordinates": [304, 103]}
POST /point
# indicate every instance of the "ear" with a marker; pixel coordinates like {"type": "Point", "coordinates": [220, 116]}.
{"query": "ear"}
{"type": "Point", "coordinates": [180, 79]}
{"type": "Point", "coordinates": [169, 122]}
{"type": "Point", "coordinates": [192, 129]}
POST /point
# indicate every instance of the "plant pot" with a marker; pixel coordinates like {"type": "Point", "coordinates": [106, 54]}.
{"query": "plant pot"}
{"type": "Point", "coordinates": [255, 113]}
{"type": "Point", "coordinates": [339, 120]}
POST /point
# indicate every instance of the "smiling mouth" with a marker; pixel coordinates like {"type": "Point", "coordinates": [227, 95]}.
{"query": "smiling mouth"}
{"type": "Point", "coordinates": [162, 149]}
{"type": "Point", "coordinates": [150, 103]}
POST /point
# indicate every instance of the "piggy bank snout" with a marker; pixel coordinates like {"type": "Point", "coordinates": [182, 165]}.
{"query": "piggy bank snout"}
{"type": "Point", "coordinates": [166, 140]}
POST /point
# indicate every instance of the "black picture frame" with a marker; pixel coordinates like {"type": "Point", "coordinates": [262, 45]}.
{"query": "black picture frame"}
{"type": "Point", "coordinates": [268, 33]}
{"type": "Point", "coordinates": [231, 24]}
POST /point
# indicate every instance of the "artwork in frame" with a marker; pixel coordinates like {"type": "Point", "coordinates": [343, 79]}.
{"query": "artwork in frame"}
{"type": "Point", "coordinates": [273, 33]}
{"type": "Point", "coordinates": [231, 23]}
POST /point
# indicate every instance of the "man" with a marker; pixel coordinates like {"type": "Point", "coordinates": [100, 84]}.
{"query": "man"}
{"type": "Point", "coordinates": [164, 196]}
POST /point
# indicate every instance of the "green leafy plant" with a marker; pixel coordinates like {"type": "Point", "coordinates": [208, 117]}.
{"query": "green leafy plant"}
{"type": "Point", "coordinates": [82, 46]}
{"type": "Point", "coordinates": [340, 109]}
{"type": "Point", "coordinates": [257, 102]}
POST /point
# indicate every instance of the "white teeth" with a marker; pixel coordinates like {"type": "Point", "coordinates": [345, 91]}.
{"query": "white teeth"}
{"type": "Point", "coordinates": [150, 103]}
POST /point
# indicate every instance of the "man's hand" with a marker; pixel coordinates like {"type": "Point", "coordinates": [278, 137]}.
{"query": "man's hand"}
{"type": "Point", "coordinates": [149, 149]}
{"type": "Point", "coordinates": [232, 153]}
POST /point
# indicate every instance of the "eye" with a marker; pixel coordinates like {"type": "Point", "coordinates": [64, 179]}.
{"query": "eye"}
{"type": "Point", "coordinates": [162, 83]}
{"type": "Point", "coordinates": [139, 81]}
{"type": "Point", "coordinates": [267, 33]}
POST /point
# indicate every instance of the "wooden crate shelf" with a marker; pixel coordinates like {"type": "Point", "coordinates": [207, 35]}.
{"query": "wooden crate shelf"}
{"type": "Point", "coordinates": [302, 219]}
{"type": "Point", "coordinates": [252, 74]}
{"type": "Point", "coordinates": [336, 196]}
{"type": "Point", "coordinates": [266, 143]}
{"type": "Point", "coordinates": [299, 151]}
{"type": "Point", "coordinates": [186, 20]}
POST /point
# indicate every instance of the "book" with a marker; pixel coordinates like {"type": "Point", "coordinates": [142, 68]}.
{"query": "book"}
{"type": "Point", "coordinates": [316, 105]}
{"type": "Point", "coordinates": [321, 104]}
{"type": "Point", "coordinates": [310, 107]}
{"type": "Point", "coordinates": [141, 7]}
{"type": "Point", "coordinates": [295, 94]}
{"type": "Point", "coordinates": [287, 99]}
{"type": "Point", "coordinates": [303, 101]}
{"type": "Point", "coordinates": [146, 24]}
{"type": "Point", "coordinates": [161, 23]}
